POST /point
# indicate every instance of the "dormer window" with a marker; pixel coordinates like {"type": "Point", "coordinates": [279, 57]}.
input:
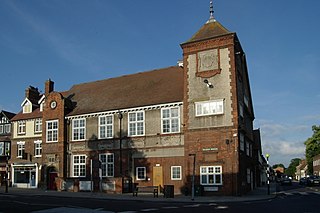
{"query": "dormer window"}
{"type": "Point", "coordinates": [41, 102]}
{"type": "Point", "coordinates": [27, 106]}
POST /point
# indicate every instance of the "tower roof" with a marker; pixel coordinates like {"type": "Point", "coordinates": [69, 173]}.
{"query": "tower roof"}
{"type": "Point", "coordinates": [212, 28]}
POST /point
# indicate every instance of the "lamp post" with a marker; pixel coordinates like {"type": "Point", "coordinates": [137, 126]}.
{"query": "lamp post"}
{"type": "Point", "coordinates": [268, 173]}
{"type": "Point", "coordinates": [7, 153]}
{"type": "Point", "coordinates": [120, 116]}
{"type": "Point", "coordinates": [193, 174]}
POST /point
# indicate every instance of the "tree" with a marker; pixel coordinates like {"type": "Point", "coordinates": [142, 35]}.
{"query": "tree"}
{"type": "Point", "coordinates": [277, 165]}
{"type": "Point", "coordinates": [291, 170]}
{"type": "Point", "coordinates": [312, 147]}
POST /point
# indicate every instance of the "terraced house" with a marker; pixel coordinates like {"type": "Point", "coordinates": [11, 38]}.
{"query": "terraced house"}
{"type": "Point", "coordinates": [5, 145]}
{"type": "Point", "coordinates": [154, 128]}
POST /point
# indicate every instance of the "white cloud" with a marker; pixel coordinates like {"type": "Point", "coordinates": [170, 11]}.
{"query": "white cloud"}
{"type": "Point", "coordinates": [283, 141]}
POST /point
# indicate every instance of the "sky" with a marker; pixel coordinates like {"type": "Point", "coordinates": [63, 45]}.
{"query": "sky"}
{"type": "Point", "coordinates": [77, 41]}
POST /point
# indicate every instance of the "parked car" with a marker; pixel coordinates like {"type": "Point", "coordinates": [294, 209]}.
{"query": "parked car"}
{"type": "Point", "coordinates": [303, 181]}
{"type": "Point", "coordinates": [313, 180]}
{"type": "Point", "coordinates": [286, 180]}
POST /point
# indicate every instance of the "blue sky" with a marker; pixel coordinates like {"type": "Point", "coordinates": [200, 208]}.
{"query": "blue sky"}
{"type": "Point", "coordinates": [76, 41]}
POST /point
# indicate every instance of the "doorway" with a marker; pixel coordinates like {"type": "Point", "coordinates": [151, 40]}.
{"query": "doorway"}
{"type": "Point", "coordinates": [157, 177]}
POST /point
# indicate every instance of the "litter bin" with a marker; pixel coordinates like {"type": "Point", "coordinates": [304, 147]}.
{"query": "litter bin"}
{"type": "Point", "coordinates": [168, 191]}
{"type": "Point", "coordinates": [198, 190]}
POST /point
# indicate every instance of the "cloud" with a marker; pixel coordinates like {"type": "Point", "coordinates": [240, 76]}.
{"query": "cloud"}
{"type": "Point", "coordinates": [283, 141]}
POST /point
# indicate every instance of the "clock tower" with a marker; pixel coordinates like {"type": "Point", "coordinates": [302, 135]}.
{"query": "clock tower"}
{"type": "Point", "coordinates": [212, 100]}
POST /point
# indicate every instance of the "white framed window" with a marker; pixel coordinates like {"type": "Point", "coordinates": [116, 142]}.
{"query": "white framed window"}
{"type": "Point", "coordinates": [20, 149]}
{"type": "Point", "coordinates": [79, 166]}
{"type": "Point", "coordinates": [38, 148]}
{"type": "Point", "coordinates": [107, 164]}
{"type": "Point", "coordinates": [170, 120]}
{"type": "Point", "coordinates": [1, 129]}
{"type": "Point", "coordinates": [136, 123]}
{"type": "Point", "coordinates": [52, 131]}
{"type": "Point", "coordinates": [38, 125]}
{"type": "Point", "coordinates": [211, 175]}
{"type": "Point", "coordinates": [241, 142]}
{"type": "Point", "coordinates": [213, 107]}
{"type": "Point", "coordinates": [141, 173]}
{"type": "Point", "coordinates": [7, 128]}
{"type": "Point", "coordinates": [175, 172]}
{"type": "Point", "coordinates": [78, 129]}
{"type": "Point", "coordinates": [106, 126]}
{"type": "Point", "coordinates": [21, 127]}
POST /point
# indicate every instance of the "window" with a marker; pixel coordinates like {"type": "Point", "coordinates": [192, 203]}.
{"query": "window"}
{"type": "Point", "coordinates": [209, 108]}
{"type": "Point", "coordinates": [241, 110]}
{"type": "Point", "coordinates": [1, 129]}
{"type": "Point", "coordinates": [37, 148]}
{"type": "Point", "coordinates": [248, 175]}
{"type": "Point", "coordinates": [78, 129]}
{"type": "Point", "coordinates": [38, 125]}
{"type": "Point", "coordinates": [107, 164]}
{"type": "Point", "coordinates": [21, 127]}
{"type": "Point", "coordinates": [7, 148]}
{"type": "Point", "coordinates": [248, 148]}
{"type": "Point", "coordinates": [170, 120]}
{"type": "Point", "coordinates": [175, 172]}
{"type": "Point", "coordinates": [52, 131]}
{"type": "Point", "coordinates": [211, 175]}
{"type": "Point", "coordinates": [136, 123]}
{"type": "Point", "coordinates": [141, 173]}
{"type": "Point", "coordinates": [2, 148]}
{"type": "Point", "coordinates": [106, 126]}
{"type": "Point", "coordinates": [246, 100]}
{"type": "Point", "coordinates": [20, 151]}
{"type": "Point", "coordinates": [79, 166]}
{"type": "Point", "coordinates": [27, 108]}
{"type": "Point", "coordinates": [7, 128]}
{"type": "Point", "coordinates": [241, 142]}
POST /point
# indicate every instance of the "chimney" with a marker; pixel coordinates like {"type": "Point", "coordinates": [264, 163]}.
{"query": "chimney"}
{"type": "Point", "coordinates": [32, 94]}
{"type": "Point", "coordinates": [49, 86]}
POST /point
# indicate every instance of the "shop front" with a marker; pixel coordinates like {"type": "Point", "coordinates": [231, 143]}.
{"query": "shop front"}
{"type": "Point", "coordinates": [25, 175]}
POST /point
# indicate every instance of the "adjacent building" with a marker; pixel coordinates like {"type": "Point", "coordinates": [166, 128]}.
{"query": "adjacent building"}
{"type": "Point", "coordinates": [5, 144]}
{"type": "Point", "coordinates": [316, 165]}
{"type": "Point", "coordinates": [158, 127]}
{"type": "Point", "coordinates": [26, 142]}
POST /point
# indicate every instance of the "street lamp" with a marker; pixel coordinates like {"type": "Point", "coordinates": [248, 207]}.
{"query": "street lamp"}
{"type": "Point", "coordinates": [268, 173]}
{"type": "Point", "coordinates": [193, 174]}
{"type": "Point", "coordinates": [7, 153]}
{"type": "Point", "coordinates": [120, 116]}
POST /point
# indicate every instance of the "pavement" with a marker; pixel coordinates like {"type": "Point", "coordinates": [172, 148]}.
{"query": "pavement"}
{"type": "Point", "coordinates": [259, 193]}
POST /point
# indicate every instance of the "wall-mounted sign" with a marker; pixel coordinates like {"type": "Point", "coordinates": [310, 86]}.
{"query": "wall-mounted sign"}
{"type": "Point", "coordinates": [210, 149]}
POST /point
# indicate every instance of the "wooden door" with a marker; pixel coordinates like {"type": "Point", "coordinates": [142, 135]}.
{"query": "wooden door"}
{"type": "Point", "coordinates": [52, 181]}
{"type": "Point", "coordinates": [157, 176]}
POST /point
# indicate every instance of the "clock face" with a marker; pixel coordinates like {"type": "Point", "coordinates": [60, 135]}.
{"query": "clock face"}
{"type": "Point", "coordinates": [53, 104]}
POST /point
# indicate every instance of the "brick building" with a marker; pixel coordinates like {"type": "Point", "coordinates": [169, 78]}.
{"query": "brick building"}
{"type": "Point", "coordinates": [153, 128]}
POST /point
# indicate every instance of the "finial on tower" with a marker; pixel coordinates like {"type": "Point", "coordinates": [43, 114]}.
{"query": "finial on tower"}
{"type": "Point", "coordinates": [211, 18]}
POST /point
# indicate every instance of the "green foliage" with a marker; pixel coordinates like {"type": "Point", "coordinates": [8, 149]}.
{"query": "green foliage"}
{"type": "Point", "coordinates": [291, 170]}
{"type": "Point", "coordinates": [312, 147]}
